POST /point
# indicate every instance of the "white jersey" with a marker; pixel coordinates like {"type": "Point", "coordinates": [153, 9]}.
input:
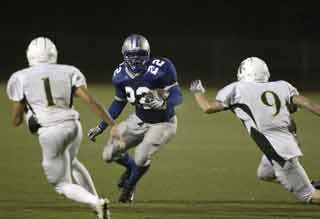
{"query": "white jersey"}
{"type": "Point", "coordinates": [47, 90]}
{"type": "Point", "coordinates": [264, 107]}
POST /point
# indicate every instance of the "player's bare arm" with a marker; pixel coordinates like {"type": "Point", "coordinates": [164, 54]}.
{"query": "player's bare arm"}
{"type": "Point", "coordinates": [97, 108]}
{"type": "Point", "coordinates": [306, 103]}
{"type": "Point", "coordinates": [17, 113]}
{"type": "Point", "coordinates": [208, 106]}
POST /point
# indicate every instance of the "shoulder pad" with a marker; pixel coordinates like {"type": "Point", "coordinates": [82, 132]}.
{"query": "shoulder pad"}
{"type": "Point", "coordinates": [117, 73]}
{"type": "Point", "coordinates": [163, 63]}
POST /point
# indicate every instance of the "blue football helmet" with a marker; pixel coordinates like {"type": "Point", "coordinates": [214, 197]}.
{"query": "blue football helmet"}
{"type": "Point", "coordinates": [136, 53]}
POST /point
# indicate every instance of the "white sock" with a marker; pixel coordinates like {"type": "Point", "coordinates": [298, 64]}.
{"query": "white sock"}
{"type": "Point", "coordinates": [82, 176]}
{"type": "Point", "coordinates": [78, 194]}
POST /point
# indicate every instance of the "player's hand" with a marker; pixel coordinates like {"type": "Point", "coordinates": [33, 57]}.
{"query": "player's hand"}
{"type": "Point", "coordinates": [94, 132]}
{"type": "Point", "coordinates": [196, 87]}
{"type": "Point", "coordinates": [155, 99]}
{"type": "Point", "coordinates": [157, 103]}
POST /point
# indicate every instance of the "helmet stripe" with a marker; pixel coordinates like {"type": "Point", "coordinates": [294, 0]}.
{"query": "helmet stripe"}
{"type": "Point", "coordinates": [138, 41]}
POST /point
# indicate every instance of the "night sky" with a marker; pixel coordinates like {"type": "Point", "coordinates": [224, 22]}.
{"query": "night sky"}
{"type": "Point", "coordinates": [262, 19]}
{"type": "Point", "coordinates": [202, 37]}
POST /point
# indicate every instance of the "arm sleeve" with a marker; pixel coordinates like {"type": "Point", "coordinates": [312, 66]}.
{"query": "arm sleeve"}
{"type": "Point", "coordinates": [114, 110]}
{"type": "Point", "coordinates": [175, 97]}
{"type": "Point", "coordinates": [78, 79]}
{"type": "Point", "coordinates": [227, 95]}
{"type": "Point", "coordinates": [120, 93]}
{"type": "Point", "coordinates": [292, 92]}
{"type": "Point", "coordinates": [15, 89]}
{"type": "Point", "coordinates": [170, 83]}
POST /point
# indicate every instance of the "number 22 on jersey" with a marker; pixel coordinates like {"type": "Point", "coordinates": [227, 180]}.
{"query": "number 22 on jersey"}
{"type": "Point", "coordinates": [156, 64]}
{"type": "Point", "coordinates": [132, 95]}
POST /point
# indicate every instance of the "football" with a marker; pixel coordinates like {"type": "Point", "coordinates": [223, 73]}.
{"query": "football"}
{"type": "Point", "coordinates": [157, 93]}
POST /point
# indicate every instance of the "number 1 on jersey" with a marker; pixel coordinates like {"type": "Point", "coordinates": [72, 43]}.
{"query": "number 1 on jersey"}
{"type": "Point", "coordinates": [48, 92]}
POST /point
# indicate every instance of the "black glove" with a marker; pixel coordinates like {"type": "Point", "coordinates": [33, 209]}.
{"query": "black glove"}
{"type": "Point", "coordinates": [94, 132]}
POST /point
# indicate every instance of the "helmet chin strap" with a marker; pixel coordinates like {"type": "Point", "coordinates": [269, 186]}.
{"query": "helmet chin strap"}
{"type": "Point", "coordinates": [132, 74]}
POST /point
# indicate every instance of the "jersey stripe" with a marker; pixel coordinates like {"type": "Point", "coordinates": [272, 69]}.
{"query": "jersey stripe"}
{"type": "Point", "coordinates": [266, 147]}
{"type": "Point", "coordinates": [245, 108]}
{"type": "Point", "coordinates": [119, 99]}
{"type": "Point", "coordinates": [171, 86]}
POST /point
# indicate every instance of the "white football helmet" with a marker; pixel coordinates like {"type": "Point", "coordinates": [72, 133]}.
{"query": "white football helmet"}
{"type": "Point", "coordinates": [253, 69]}
{"type": "Point", "coordinates": [42, 50]}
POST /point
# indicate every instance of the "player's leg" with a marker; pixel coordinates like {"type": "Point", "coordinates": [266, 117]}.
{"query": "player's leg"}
{"type": "Point", "coordinates": [266, 173]}
{"type": "Point", "coordinates": [79, 172]}
{"type": "Point", "coordinates": [132, 131]}
{"type": "Point", "coordinates": [57, 165]}
{"type": "Point", "coordinates": [82, 177]}
{"type": "Point", "coordinates": [73, 191]}
{"type": "Point", "coordinates": [294, 178]}
{"type": "Point", "coordinates": [154, 139]}
{"type": "Point", "coordinates": [265, 170]}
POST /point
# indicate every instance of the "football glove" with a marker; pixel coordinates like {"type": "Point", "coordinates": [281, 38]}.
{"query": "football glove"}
{"type": "Point", "coordinates": [158, 104]}
{"type": "Point", "coordinates": [94, 132]}
{"type": "Point", "coordinates": [196, 87]}
{"type": "Point", "coordinates": [154, 100]}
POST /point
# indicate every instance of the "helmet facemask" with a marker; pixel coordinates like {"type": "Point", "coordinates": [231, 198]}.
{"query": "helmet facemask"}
{"type": "Point", "coordinates": [136, 61]}
{"type": "Point", "coordinates": [136, 53]}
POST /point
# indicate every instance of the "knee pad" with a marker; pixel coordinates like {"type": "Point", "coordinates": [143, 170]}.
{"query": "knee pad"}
{"type": "Point", "coordinates": [112, 152]}
{"type": "Point", "coordinates": [107, 154]}
{"type": "Point", "coordinates": [52, 172]}
{"type": "Point", "coordinates": [265, 173]}
{"type": "Point", "coordinates": [142, 160]}
{"type": "Point", "coordinates": [264, 176]}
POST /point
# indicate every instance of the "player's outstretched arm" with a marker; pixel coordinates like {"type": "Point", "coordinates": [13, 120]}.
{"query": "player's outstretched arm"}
{"type": "Point", "coordinates": [208, 106]}
{"type": "Point", "coordinates": [97, 108]}
{"type": "Point", "coordinates": [114, 110]}
{"type": "Point", "coordinates": [17, 113]}
{"type": "Point", "coordinates": [304, 102]}
{"type": "Point", "coordinates": [94, 105]}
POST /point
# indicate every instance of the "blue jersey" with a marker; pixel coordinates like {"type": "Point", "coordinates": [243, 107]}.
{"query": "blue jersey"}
{"type": "Point", "coordinates": [160, 74]}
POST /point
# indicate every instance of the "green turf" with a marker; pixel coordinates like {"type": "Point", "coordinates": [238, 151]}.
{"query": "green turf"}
{"type": "Point", "coordinates": [207, 171]}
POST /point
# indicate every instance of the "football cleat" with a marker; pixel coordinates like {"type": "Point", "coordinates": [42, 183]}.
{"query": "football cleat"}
{"type": "Point", "coordinates": [126, 195]}
{"type": "Point", "coordinates": [316, 184]}
{"type": "Point", "coordinates": [102, 210]}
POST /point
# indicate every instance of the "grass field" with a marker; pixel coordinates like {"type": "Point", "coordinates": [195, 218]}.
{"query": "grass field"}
{"type": "Point", "coordinates": [207, 171]}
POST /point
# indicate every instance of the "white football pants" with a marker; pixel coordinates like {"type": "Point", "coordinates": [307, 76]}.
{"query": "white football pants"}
{"type": "Point", "coordinates": [60, 145]}
{"type": "Point", "coordinates": [292, 176]}
{"type": "Point", "coordinates": [148, 139]}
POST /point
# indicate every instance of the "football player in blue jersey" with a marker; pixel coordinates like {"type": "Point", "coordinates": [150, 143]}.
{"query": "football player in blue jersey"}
{"type": "Point", "coordinates": [150, 84]}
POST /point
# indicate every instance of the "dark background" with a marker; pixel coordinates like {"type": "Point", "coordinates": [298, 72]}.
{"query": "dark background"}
{"type": "Point", "coordinates": [204, 39]}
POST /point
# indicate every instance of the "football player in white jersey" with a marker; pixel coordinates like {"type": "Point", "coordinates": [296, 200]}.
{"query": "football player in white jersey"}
{"type": "Point", "coordinates": [43, 95]}
{"type": "Point", "coordinates": [264, 108]}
